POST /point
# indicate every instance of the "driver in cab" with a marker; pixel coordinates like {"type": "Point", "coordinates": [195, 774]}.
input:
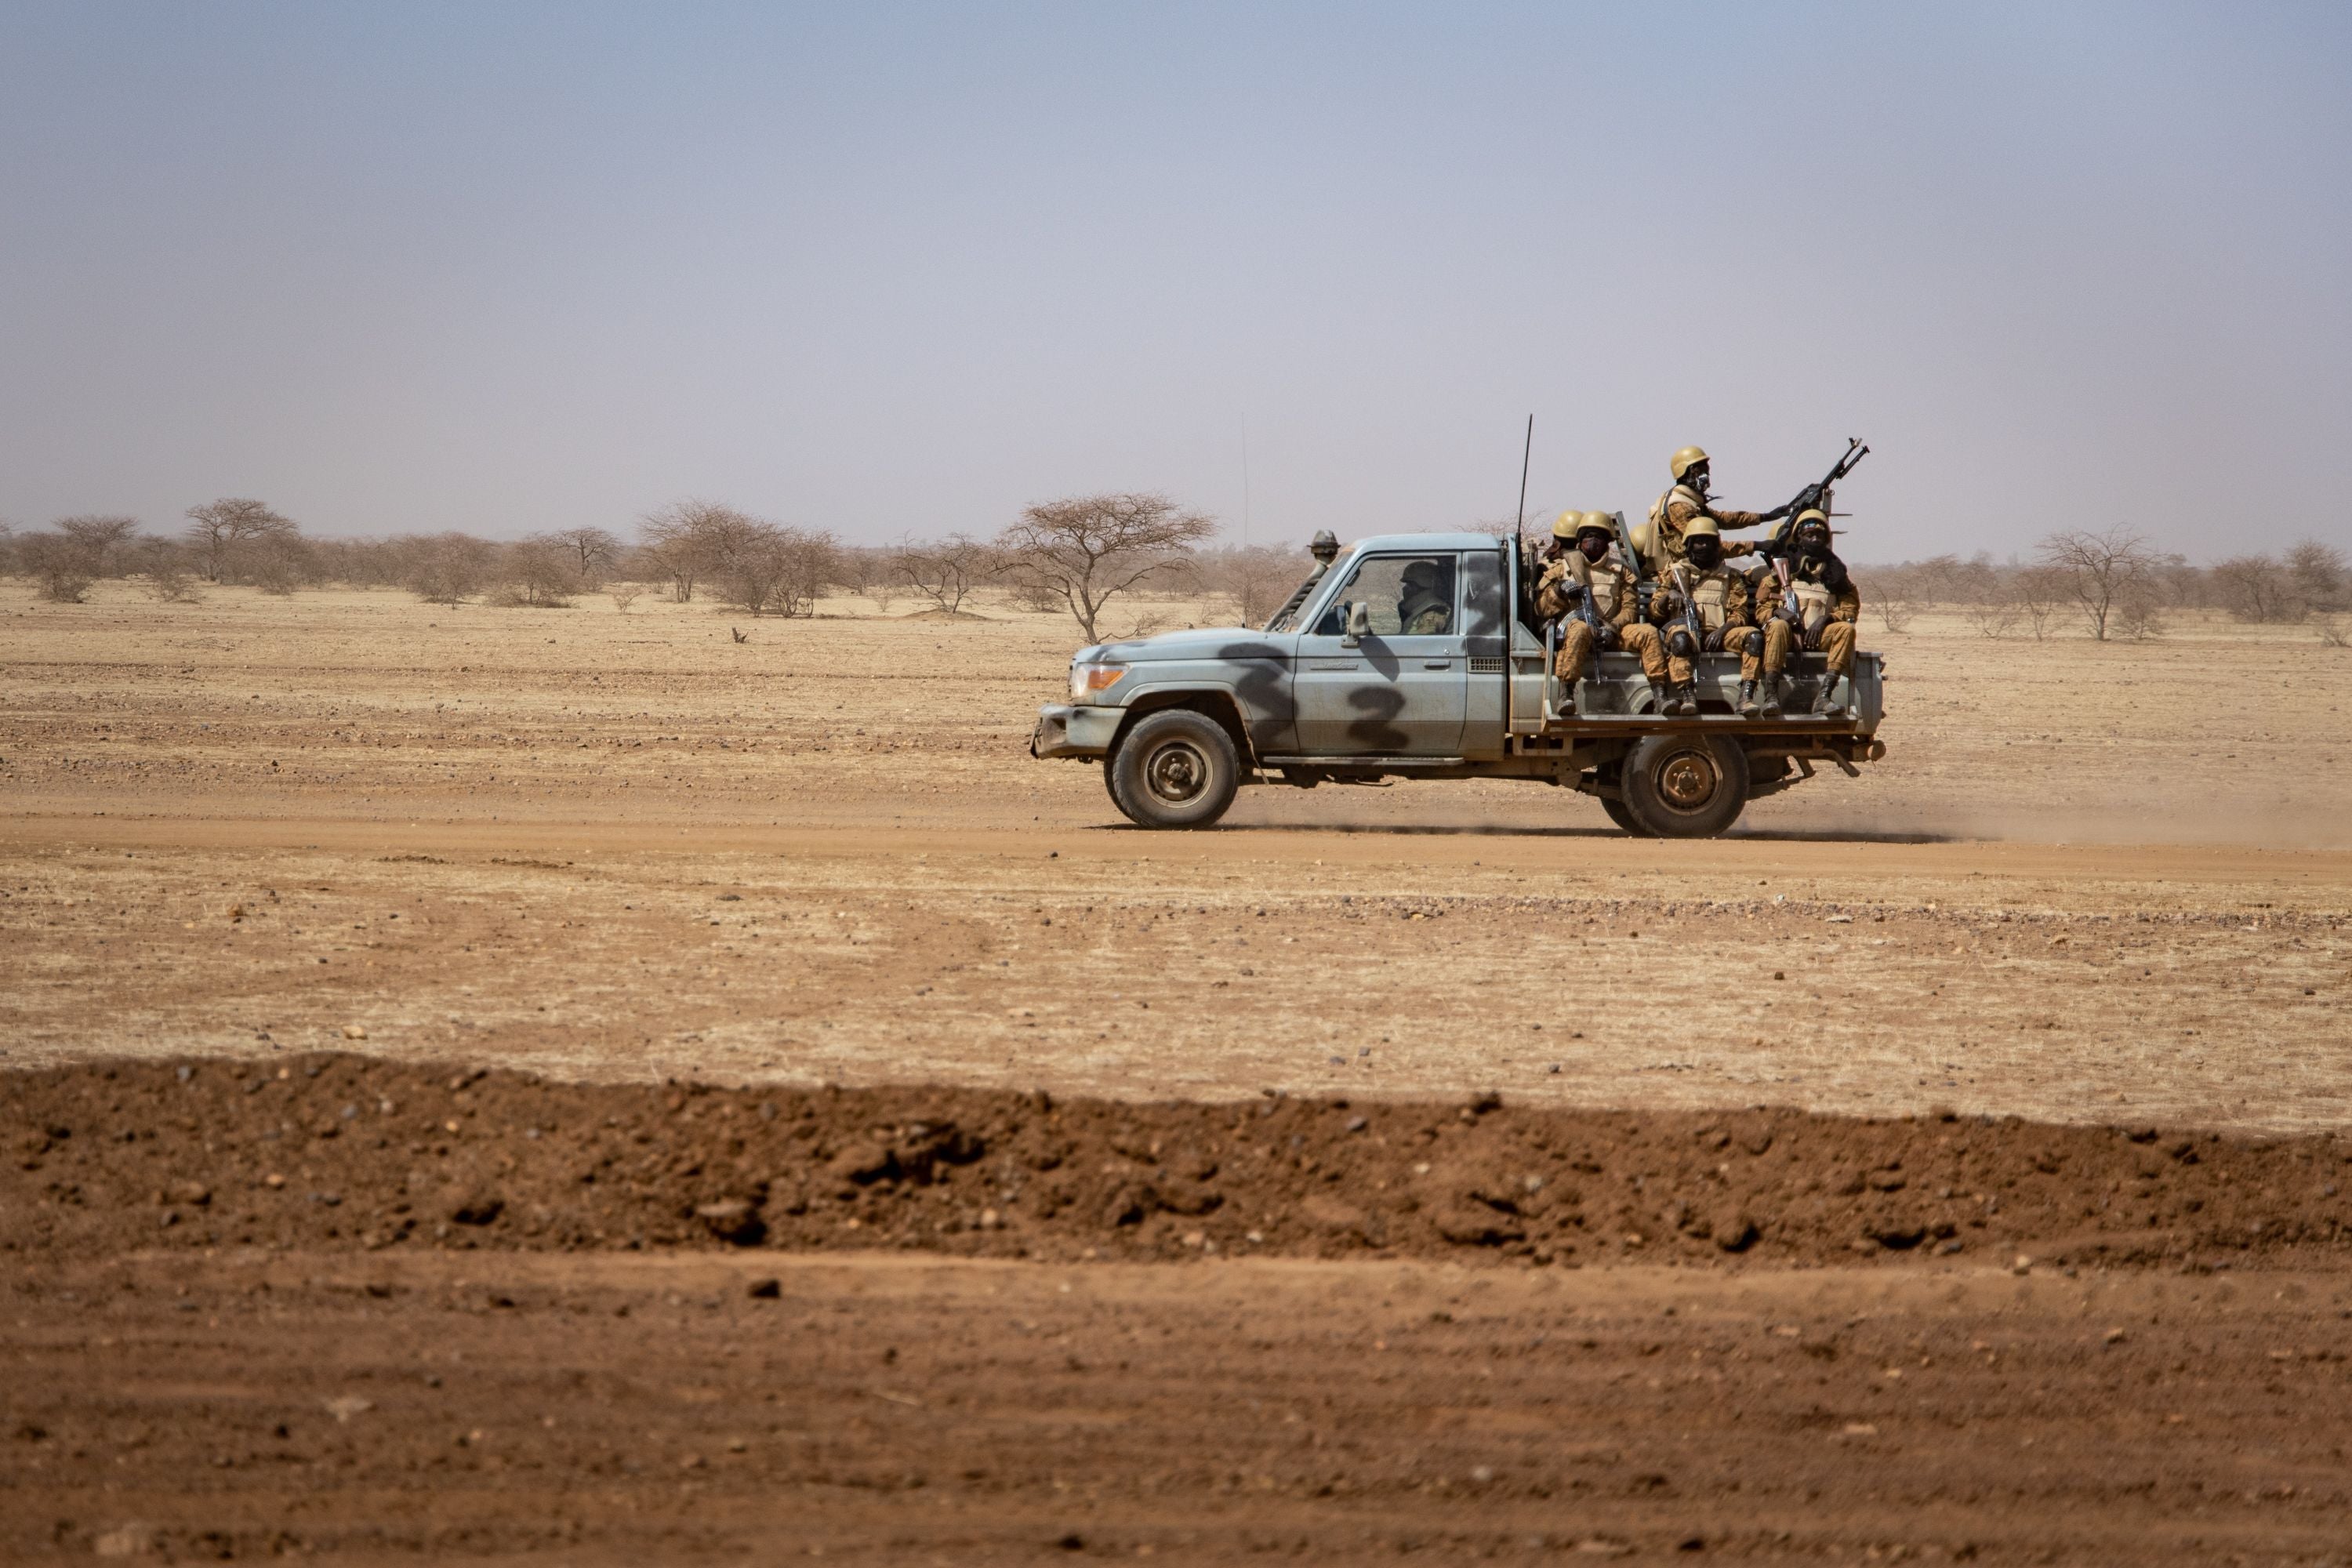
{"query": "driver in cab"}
{"type": "Point", "coordinates": [1426, 605]}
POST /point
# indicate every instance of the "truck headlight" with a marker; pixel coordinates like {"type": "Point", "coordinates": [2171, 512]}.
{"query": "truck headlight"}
{"type": "Point", "coordinates": [1086, 679]}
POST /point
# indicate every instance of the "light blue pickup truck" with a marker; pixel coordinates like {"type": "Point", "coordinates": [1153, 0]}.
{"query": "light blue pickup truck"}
{"type": "Point", "coordinates": [1335, 690]}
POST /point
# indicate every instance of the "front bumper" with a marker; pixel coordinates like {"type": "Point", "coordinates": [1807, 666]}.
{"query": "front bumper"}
{"type": "Point", "coordinates": [1066, 731]}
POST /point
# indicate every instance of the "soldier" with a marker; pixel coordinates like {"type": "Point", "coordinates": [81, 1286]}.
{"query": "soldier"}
{"type": "Point", "coordinates": [1595, 569]}
{"type": "Point", "coordinates": [1720, 596]}
{"type": "Point", "coordinates": [1425, 607]}
{"type": "Point", "coordinates": [1817, 609]}
{"type": "Point", "coordinates": [1671, 514]}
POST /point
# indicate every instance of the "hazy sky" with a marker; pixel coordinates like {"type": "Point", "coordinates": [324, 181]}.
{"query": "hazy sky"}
{"type": "Point", "coordinates": [503, 266]}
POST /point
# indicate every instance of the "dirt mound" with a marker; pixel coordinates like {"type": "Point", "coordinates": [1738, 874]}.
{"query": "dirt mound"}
{"type": "Point", "coordinates": [346, 1151]}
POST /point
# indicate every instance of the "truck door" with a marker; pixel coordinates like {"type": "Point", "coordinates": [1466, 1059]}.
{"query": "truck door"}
{"type": "Point", "coordinates": [1403, 691]}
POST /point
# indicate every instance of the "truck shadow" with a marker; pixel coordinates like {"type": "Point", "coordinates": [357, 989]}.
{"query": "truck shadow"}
{"type": "Point", "coordinates": [1416, 830]}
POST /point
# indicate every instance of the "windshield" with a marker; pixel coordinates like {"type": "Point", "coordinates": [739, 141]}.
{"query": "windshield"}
{"type": "Point", "coordinates": [1285, 619]}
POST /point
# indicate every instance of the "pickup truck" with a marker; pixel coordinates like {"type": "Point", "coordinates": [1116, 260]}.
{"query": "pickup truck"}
{"type": "Point", "coordinates": [1336, 690]}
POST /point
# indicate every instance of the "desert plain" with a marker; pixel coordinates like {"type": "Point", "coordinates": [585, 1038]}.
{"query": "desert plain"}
{"type": "Point", "coordinates": [572, 1085]}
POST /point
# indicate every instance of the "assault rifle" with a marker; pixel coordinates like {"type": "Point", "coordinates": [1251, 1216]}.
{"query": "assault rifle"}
{"type": "Point", "coordinates": [1691, 622]}
{"type": "Point", "coordinates": [1817, 494]}
{"type": "Point", "coordinates": [1586, 610]}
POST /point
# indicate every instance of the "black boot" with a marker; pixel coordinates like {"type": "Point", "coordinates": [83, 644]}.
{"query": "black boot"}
{"type": "Point", "coordinates": [1685, 701]}
{"type": "Point", "coordinates": [1771, 694]}
{"type": "Point", "coordinates": [1660, 702]}
{"type": "Point", "coordinates": [1822, 707]}
{"type": "Point", "coordinates": [1747, 698]}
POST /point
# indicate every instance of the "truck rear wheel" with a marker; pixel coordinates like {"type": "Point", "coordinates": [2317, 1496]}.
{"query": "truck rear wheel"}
{"type": "Point", "coordinates": [1175, 769]}
{"type": "Point", "coordinates": [1684, 785]}
{"type": "Point", "coordinates": [1623, 818]}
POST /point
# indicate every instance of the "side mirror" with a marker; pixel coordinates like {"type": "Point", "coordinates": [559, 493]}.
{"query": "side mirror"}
{"type": "Point", "coordinates": [1360, 621]}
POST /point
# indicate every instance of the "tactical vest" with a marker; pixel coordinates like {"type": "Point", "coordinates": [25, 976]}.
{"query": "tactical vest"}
{"type": "Point", "coordinates": [1669, 537]}
{"type": "Point", "coordinates": [1609, 582]}
{"type": "Point", "coordinates": [1814, 602]}
{"type": "Point", "coordinates": [1709, 595]}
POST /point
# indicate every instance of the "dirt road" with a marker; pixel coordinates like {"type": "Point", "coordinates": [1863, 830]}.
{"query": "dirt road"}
{"type": "Point", "coordinates": [398, 1309]}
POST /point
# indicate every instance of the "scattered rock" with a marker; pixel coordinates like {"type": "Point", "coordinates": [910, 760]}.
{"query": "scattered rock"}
{"type": "Point", "coordinates": [734, 1221]}
{"type": "Point", "coordinates": [765, 1289]}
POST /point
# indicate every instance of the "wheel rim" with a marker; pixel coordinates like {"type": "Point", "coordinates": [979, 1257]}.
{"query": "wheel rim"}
{"type": "Point", "coordinates": [1687, 781]}
{"type": "Point", "coordinates": [1177, 773]}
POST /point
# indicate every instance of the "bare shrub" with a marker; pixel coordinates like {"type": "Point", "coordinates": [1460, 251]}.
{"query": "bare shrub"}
{"type": "Point", "coordinates": [59, 563]}
{"type": "Point", "coordinates": [450, 568]}
{"type": "Point", "coordinates": [168, 582]}
{"type": "Point", "coordinates": [1086, 550]}
{"type": "Point", "coordinates": [2320, 581]}
{"type": "Point", "coordinates": [2041, 592]}
{"type": "Point", "coordinates": [1896, 614]}
{"type": "Point", "coordinates": [1994, 620]}
{"type": "Point", "coordinates": [541, 573]}
{"type": "Point", "coordinates": [2333, 633]}
{"type": "Point", "coordinates": [2140, 618]}
{"type": "Point", "coordinates": [869, 572]}
{"type": "Point", "coordinates": [2102, 571]}
{"type": "Point", "coordinates": [217, 529]}
{"type": "Point", "coordinates": [2258, 588]}
{"type": "Point", "coordinates": [594, 554]}
{"type": "Point", "coordinates": [683, 542]}
{"type": "Point", "coordinates": [105, 543]}
{"type": "Point", "coordinates": [944, 570]}
{"type": "Point", "coordinates": [623, 595]}
{"type": "Point", "coordinates": [274, 563]}
{"type": "Point", "coordinates": [1255, 579]}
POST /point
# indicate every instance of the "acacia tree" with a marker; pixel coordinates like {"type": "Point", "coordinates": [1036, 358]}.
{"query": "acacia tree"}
{"type": "Point", "coordinates": [944, 570]}
{"type": "Point", "coordinates": [592, 551]}
{"type": "Point", "coordinates": [2103, 572]}
{"type": "Point", "coordinates": [1086, 550]}
{"type": "Point", "coordinates": [219, 527]}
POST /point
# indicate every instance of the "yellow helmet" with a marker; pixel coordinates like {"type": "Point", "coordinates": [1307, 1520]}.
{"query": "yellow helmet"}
{"type": "Point", "coordinates": [1810, 514]}
{"type": "Point", "coordinates": [1702, 526]}
{"type": "Point", "coordinates": [1600, 519]}
{"type": "Point", "coordinates": [1565, 525]}
{"type": "Point", "coordinates": [1681, 461]}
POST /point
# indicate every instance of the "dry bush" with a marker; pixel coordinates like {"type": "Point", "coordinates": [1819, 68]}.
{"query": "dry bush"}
{"type": "Point", "coordinates": [276, 563]}
{"type": "Point", "coordinates": [593, 553]}
{"type": "Point", "coordinates": [944, 570]}
{"type": "Point", "coordinates": [623, 595]}
{"type": "Point", "coordinates": [1995, 620]}
{"type": "Point", "coordinates": [869, 572]}
{"type": "Point", "coordinates": [449, 568]}
{"type": "Point", "coordinates": [1896, 614]}
{"type": "Point", "coordinates": [60, 564]}
{"type": "Point", "coordinates": [1256, 579]}
{"type": "Point", "coordinates": [2103, 573]}
{"type": "Point", "coordinates": [105, 543]}
{"type": "Point", "coordinates": [1083, 552]}
{"type": "Point", "coordinates": [2333, 633]}
{"type": "Point", "coordinates": [777, 569]}
{"type": "Point", "coordinates": [217, 529]}
{"type": "Point", "coordinates": [542, 572]}
{"type": "Point", "coordinates": [2257, 588]}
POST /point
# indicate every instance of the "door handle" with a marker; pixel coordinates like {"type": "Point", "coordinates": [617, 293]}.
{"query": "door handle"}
{"type": "Point", "coordinates": [1437, 664]}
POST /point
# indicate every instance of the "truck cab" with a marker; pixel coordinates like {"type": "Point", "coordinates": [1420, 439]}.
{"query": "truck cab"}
{"type": "Point", "coordinates": [1414, 655]}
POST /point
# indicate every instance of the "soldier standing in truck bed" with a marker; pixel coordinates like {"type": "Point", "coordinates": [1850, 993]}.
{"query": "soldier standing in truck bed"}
{"type": "Point", "coordinates": [1609, 580]}
{"type": "Point", "coordinates": [1817, 610]}
{"type": "Point", "coordinates": [1672, 514]}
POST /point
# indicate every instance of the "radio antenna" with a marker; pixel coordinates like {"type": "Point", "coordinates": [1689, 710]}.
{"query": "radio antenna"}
{"type": "Point", "coordinates": [1519, 526]}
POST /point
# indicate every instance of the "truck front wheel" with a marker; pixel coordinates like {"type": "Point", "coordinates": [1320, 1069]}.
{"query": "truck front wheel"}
{"type": "Point", "coordinates": [1684, 785]}
{"type": "Point", "coordinates": [1175, 769]}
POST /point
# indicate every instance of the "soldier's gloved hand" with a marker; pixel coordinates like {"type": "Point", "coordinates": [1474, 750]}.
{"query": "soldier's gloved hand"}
{"type": "Point", "coordinates": [1714, 642]}
{"type": "Point", "coordinates": [1606, 637]}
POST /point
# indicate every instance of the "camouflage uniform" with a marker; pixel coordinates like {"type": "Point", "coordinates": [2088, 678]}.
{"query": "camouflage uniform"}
{"type": "Point", "coordinates": [1425, 615]}
{"type": "Point", "coordinates": [1831, 605]}
{"type": "Point", "coordinates": [1670, 517]}
{"type": "Point", "coordinates": [1721, 595]}
{"type": "Point", "coordinates": [1614, 597]}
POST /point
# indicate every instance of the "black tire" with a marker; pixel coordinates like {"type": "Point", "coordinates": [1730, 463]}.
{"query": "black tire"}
{"type": "Point", "coordinates": [1623, 818]}
{"type": "Point", "coordinates": [1686, 785]}
{"type": "Point", "coordinates": [1175, 768]}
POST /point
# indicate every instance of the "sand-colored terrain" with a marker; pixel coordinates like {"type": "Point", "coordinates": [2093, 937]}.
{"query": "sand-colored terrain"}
{"type": "Point", "coordinates": [2105, 887]}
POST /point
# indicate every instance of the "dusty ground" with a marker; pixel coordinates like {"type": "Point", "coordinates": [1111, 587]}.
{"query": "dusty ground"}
{"type": "Point", "coordinates": [2103, 886]}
